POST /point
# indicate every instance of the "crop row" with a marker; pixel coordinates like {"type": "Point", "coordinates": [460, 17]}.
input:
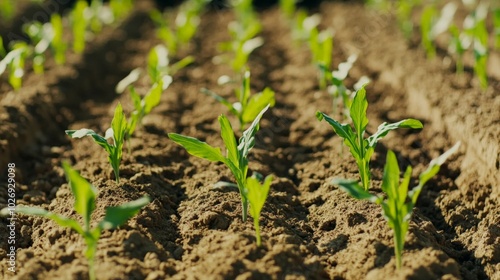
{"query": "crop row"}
{"type": "Point", "coordinates": [397, 202]}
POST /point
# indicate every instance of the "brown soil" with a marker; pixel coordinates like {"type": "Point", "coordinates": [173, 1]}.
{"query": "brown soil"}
{"type": "Point", "coordinates": [311, 229]}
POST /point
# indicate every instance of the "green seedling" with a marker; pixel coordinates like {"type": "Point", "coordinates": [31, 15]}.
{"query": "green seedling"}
{"type": "Point", "coordinates": [475, 27]}
{"type": "Point", "coordinates": [257, 195]}
{"type": "Point", "coordinates": [244, 40]}
{"type": "Point", "coordinates": [321, 45]}
{"type": "Point", "coordinates": [58, 44]}
{"type": "Point", "coordinates": [7, 9]}
{"type": "Point", "coordinates": [426, 23]}
{"type": "Point", "coordinates": [85, 204]}
{"type": "Point", "coordinates": [459, 43]}
{"type": "Point", "coordinates": [79, 26]}
{"type": "Point", "coordinates": [143, 106]}
{"type": "Point", "coordinates": [41, 37]}
{"type": "Point", "coordinates": [288, 8]}
{"type": "Point", "coordinates": [404, 10]}
{"type": "Point", "coordinates": [299, 34]}
{"type": "Point", "coordinates": [398, 206]}
{"type": "Point", "coordinates": [236, 158]}
{"type": "Point", "coordinates": [184, 28]}
{"type": "Point", "coordinates": [496, 24]}
{"type": "Point", "coordinates": [248, 106]}
{"type": "Point", "coordinates": [339, 91]}
{"type": "Point", "coordinates": [120, 8]}
{"type": "Point", "coordinates": [14, 61]}
{"type": "Point", "coordinates": [362, 149]}
{"type": "Point", "coordinates": [159, 63]}
{"type": "Point", "coordinates": [116, 134]}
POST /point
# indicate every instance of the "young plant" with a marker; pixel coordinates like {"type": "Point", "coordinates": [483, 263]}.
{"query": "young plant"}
{"type": "Point", "coordinates": [496, 24]}
{"type": "Point", "coordinates": [7, 9]}
{"type": "Point", "coordinates": [120, 8]}
{"type": "Point", "coordinates": [186, 23]}
{"type": "Point", "coordinates": [248, 106]}
{"type": "Point", "coordinates": [116, 133]}
{"type": "Point", "coordinates": [236, 158]}
{"type": "Point", "coordinates": [85, 196]}
{"type": "Point", "coordinates": [41, 36]}
{"type": "Point", "coordinates": [339, 91]}
{"type": "Point", "coordinates": [398, 206]}
{"type": "Point", "coordinates": [143, 106]}
{"type": "Point", "coordinates": [79, 25]}
{"type": "Point", "coordinates": [321, 45]}
{"type": "Point", "coordinates": [288, 8]}
{"type": "Point", "coordinates": [459, 43]}
{"type": "Point", "coordinates": [58, 44]}
{"type": "Point", "coordinates": [480, 46]}
{"type": "Point", "coordinates": [14, 61]}
{"type": "Point", "coordinates": [362, 149]}
{"type": "Point", "coordinates": [426, 24]}
{"type": "Point", "coordinates": [257, 195]}
{"type": "Point", "coordinates": [159, 63]}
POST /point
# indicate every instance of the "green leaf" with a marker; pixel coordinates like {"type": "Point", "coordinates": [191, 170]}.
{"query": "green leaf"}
{"type": "Point", "coordinates": [88, 132]}
{"type": "Point", "coordinates": [60, 220]}
{"type": "Point", "coordinates": [431, 171]}
{"type": "Point", "coordinates": [197, 148]}
{"type": "Point", "coordinates": [257, 194]}
{"type": "Point", "coordinates": [355, 190]}
{"type": "Point", "coordinates": [403, 189]}
{"type": "Point", "coordinates": [84, 193]}
{"type": "Point", "coordinates": [227, 135]}
{"type": "Point", "coordinates": [358, 112]}
{"type": "Point", "coordinates": [153, 97]}
{"type": "Point", "coordinates": [128, 80]}
{"type": "Point", "coordinates": [385, 128]}
{"type": "Point", "coordinates": [344, 131]}
{"type": "Point", "coordinates": [256, 103]}
{"type": "Point", "coordinates": [247, 140]}
{"type": "Point", "coordinates": [390, 181]}
{"type": "Point", "coordinates": [117, 216]}
{"type": "Point", "coordinates": [119, 125]}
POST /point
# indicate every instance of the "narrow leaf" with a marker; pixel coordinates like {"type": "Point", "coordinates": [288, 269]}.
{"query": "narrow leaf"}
{"type": "Point", "coordinates": [84, 193]}
{"type": "Point", "coordinates": [117, 216]}
{"type": "Point", "coordinates": [197, 148]}
{"type": "Point", "coordinates": [355, 190]}
{"type": "Point", "coordinates": [256, 103]}
{"type": "Point", "coordinates": [227, 135]}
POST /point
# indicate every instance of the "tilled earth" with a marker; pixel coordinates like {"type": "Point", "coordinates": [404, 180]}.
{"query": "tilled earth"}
{"type": "Point", "coordinates": [311, 229]}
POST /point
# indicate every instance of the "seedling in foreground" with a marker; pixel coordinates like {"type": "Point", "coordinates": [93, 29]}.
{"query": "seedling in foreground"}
{"type": "Point", "coordinates": [85, 195]}
{"type": "Point", "coordinates": [116, 133]}
{"type": "Point", "coordinates": [398, 206]}
{"type": "Point", "coordinates": [248, 106]}
{"type": "Point", "coordinates": [236, 158]}
{"type": "Point", "coordinates": [257, 195]}
{"type": "Point", "coordinates": [362, 149]}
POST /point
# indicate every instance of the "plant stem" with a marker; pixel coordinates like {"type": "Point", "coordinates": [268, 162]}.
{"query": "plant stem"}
{"type": "Point", "coordinates": [244, 206]}
{"type": "Point", "coordinates": [91, 269]}
{"type": "Point", "coordinates": [257, 231]}
{"type": "Point", "coordinates": [398, 244]}
{"type": "Point", "coordinates": [364, 173]}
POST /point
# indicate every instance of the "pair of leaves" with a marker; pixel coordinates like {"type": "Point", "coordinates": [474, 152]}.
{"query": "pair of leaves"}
{"type": "Point", "coordinates": [236, 158]}
{"type": "Point", "coordinates": [116, 133]}
{"type": "Point", "coordinates": [362, 149]}
{"type": "Point", "coordinates": [398, 206]}
{"type": "Point", "coordinates": [257, 195]}
{"type": "Point", "coordinates": [248, 106]}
